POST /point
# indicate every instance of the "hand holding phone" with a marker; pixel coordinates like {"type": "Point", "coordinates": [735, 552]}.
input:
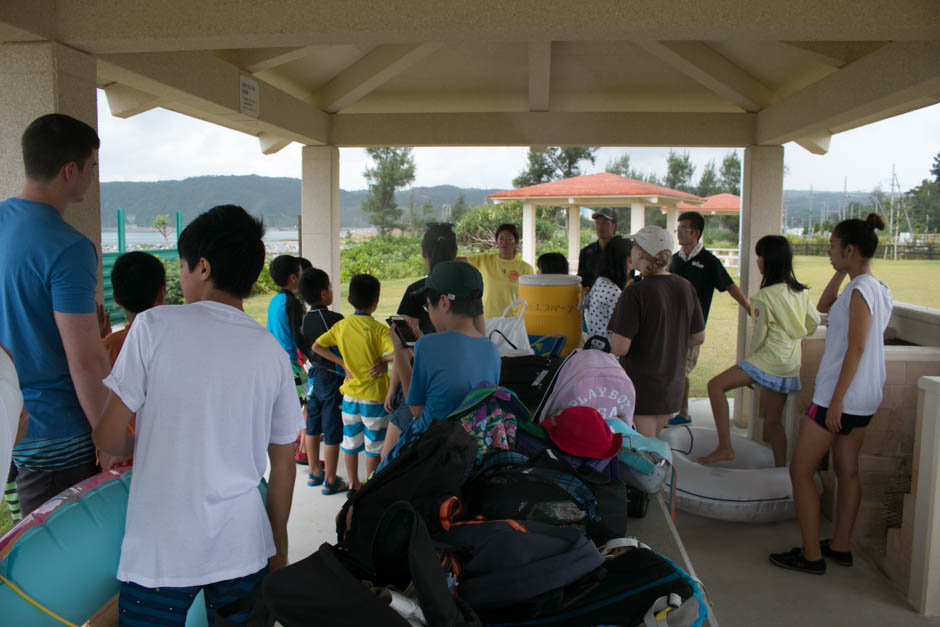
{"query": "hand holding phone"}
{"type": "Point", "coordinates": [403, 330]}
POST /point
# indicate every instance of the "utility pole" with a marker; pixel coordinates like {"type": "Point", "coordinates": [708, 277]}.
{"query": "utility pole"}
{"type": "Point", "coordinates": [845, 189]}
{"type": "Point", "coordinates": [811, 208]}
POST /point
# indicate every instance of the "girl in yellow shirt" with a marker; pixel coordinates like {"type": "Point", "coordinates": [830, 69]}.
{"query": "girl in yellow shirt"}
{"type": "Point", "coordinates": [501, 271]}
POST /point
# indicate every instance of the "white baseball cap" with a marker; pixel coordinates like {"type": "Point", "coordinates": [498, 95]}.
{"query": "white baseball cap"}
{"type": "Point", "coordinates": [654, 239]}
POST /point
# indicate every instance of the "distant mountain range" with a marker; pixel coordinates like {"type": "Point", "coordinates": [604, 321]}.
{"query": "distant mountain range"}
{"type": "Point", "coordinates": [277, 200]}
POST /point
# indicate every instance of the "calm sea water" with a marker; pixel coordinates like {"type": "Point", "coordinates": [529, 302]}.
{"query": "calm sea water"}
{"type": "Point", "coordinates": [109, 238]}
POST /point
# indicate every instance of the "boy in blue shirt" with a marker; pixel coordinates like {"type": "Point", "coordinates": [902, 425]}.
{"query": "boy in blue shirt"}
{"type": "Point", "coordinates": [453, 361]}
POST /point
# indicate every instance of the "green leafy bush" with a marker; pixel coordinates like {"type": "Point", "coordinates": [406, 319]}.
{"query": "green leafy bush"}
{"type": "Point", "coordinates": [265, 284]}
{"type": "Point", "coordinates": [384, 257]}
{"type": "Point", "coordinates": [174, 294]}
{"type": "Point", "coordinates": [476, 228]}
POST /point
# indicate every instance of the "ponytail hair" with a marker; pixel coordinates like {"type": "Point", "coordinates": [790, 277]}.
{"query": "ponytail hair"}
{"type": "Point", "coordinates": [439, 244]}
{"type": "Point", "coordinates": [860, 233]}
{"type": "Point", "coordinates": [778, 262]}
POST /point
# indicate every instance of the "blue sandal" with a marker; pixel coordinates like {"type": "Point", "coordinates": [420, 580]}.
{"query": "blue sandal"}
{"type": "Point", "coordinates": [678, 420]}
{"type": "Point", "coordinates": [315, 480]}
{"type": "Point", "coordinates": [334, 488]}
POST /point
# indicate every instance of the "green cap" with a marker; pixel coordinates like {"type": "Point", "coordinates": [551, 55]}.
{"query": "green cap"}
{"type": "Point", "coordinates": [454, 278]}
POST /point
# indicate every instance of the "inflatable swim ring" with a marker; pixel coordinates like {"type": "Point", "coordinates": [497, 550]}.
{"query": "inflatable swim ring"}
{"type": "Point", "coordinates": [65, 555]}
{"type": "Point", "coordinates": [747, 489]}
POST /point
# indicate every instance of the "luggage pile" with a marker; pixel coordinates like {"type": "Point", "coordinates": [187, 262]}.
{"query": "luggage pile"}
{"type": "Point", "coordinates": [489, 518]}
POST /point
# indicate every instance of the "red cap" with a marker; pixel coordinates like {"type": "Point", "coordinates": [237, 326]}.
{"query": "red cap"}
{"type": "Point", "coordinates": [582, 431]}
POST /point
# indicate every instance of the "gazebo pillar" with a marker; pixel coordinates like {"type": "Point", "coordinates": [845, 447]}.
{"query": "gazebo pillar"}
{"type": "Point", "coordinates": [320, 212]}
{"type": "Point", "coordinates": [672, 220]}
{"type": "Point", "coordinates": [528, 233]}
{"type": "Point", "coordinates": [574, 237]}
{"type": "Point", "coordinates": [761, 213]}
{"type": "Point", "coordinates": [637, 217]}
{"type": "Point", "coordinates": [40, 78]}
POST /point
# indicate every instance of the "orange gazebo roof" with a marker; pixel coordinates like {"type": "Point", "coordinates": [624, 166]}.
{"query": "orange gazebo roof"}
{"type": "Point", "coordinates": [603, 189]}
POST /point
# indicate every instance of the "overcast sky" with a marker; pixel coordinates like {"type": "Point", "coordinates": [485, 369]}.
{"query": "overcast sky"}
{"type": "Point", "coordinates": [162, 145]}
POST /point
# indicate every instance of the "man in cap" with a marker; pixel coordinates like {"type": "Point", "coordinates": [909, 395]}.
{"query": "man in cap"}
{"type": "Point", "coordinates": [605, 223]}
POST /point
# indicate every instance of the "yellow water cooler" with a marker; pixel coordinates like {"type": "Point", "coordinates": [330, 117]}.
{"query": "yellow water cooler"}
{"type": "Point", "coordinates": [552, 306]}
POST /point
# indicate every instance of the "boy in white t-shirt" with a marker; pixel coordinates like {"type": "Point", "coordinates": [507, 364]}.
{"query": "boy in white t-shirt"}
{"type": "Point", "coordinates": [214, 399]}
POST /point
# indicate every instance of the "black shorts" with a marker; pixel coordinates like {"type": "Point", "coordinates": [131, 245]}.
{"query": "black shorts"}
{"type": "Point", "coordinates": [817, 413]}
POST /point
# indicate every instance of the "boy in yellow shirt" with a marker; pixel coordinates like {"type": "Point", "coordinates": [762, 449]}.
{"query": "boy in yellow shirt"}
{"type": "Point", "coordinates": [367, 348]}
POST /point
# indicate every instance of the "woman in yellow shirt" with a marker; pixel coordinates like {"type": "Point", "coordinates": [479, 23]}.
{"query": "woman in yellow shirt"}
{"type": "Point", "coordinates": [501, 271]}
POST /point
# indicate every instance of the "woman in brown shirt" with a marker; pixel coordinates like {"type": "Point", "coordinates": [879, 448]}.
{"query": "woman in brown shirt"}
{"type": "Point", "coordinates": [653, 325]}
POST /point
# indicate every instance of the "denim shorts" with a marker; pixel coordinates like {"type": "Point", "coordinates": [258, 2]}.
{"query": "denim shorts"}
{"type": "Point", "coordinates": [401, 416]}
{"type": "Point", "coordinates": [323, 406]}
{"type": "Point", "coordinates": [784, 385]}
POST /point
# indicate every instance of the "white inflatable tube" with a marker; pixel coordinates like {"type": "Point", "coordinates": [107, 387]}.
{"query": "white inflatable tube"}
{"type": "Point", "coordinates": [747, 489]}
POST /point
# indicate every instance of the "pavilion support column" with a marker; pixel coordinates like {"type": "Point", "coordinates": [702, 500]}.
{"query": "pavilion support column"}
{"type": "Point", "coordinates": [574, 237]}
{"type": "Point", "coordinates": [320, 210]}
{"type": "Point", "coordinates": [761, 212]}
{"type": "Point", "coordinates": [528, 233]}
{"type": "Point", "coordinates": [672, 220]}
{"type": "Point", "coordinates": [637, 217]}
{"type": "Point", "coordinates": [36, 79]}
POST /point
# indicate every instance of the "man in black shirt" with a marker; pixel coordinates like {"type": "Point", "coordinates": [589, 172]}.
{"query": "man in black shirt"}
{"type": "Point", "coordinates": [706, 274]}
{"type": "Point", "coordinates": [605, 223]}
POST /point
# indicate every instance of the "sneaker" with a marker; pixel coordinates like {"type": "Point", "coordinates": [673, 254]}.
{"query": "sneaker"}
{"type": "Point", "coordinates": [795, 560]}
{"type": "Point", "coordinates": [678, 420]}
{"type": "Point", "coordinates": [842, 558]}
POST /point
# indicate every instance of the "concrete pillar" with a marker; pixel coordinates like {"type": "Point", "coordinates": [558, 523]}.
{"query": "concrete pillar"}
{"type": "Point", "coordinates": [528, 233]}
{"type": "Point", "coordinates": [925, 550]}
{"type": "Point", "coordinates": [320, 209]}
{"type": "Point", "coordinates": [672, 221]}
{"type": "Point", "coordinates": [761, 212]}
{"type": "Point", "coordinates": [574, 238]}
{"type": "Point", "coordinates": [41, 78]}
{"type": "Point", "coordinates": [637, 217]}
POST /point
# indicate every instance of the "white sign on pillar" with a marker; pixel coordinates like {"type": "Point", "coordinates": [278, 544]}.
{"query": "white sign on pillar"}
{"type": "Point", "coordinates": [249, 96]}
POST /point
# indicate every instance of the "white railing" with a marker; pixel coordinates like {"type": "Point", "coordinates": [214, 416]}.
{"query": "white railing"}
{"type": "Point", "coordinates": [728, 256]}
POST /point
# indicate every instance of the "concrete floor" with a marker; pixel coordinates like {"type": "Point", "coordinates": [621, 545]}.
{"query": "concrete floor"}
{"type": "Point", "coordinates": [746, 590]}
{"type": "Point", "coordinates": [730, 559]}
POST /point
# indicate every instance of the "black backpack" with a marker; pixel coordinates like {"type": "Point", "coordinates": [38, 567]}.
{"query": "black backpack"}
{"type": "Point", "coordinates": [547, 489]}
{"type": "Point", "coordinates": [528, 376]}
{"type": "Point", "coordinates": [426, 473]}
{"type": "Point", "coordinates": [327, 588]}
{"type": "Point", "coordinates": [633, 588]}
{"type": "Point", "coordinates": [499, 563]}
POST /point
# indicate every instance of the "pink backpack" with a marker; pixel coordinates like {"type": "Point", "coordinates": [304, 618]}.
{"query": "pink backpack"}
{"type": "Point", "coordinates": [590, 377]}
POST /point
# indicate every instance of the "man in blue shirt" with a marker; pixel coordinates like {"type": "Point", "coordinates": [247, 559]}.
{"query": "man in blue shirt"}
{"type": "Point", "coordinates": [49, 321]}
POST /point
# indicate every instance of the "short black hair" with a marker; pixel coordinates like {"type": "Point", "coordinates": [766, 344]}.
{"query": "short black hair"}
{"type": "Point", "coordinates": [282, 267]}
{"type": "Point", "coordinates": [364, 290]}
{"type": "Point", "coordinates": [507, 227]}
{"type": "Point", "coordinates": [312, 282]}
{"type": "Point", "coordinates": [136, 280]}
{"type": "Point", "coordinates": [470, 306]}
{"type": "Point", "coordinates": [552, 263]}
{"type": "Point", "coordinates": [231, 241]}
{"type": "Point", "coordinates": [694, 217]}
{"type": "Point", "coordinates": [51, 141]}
